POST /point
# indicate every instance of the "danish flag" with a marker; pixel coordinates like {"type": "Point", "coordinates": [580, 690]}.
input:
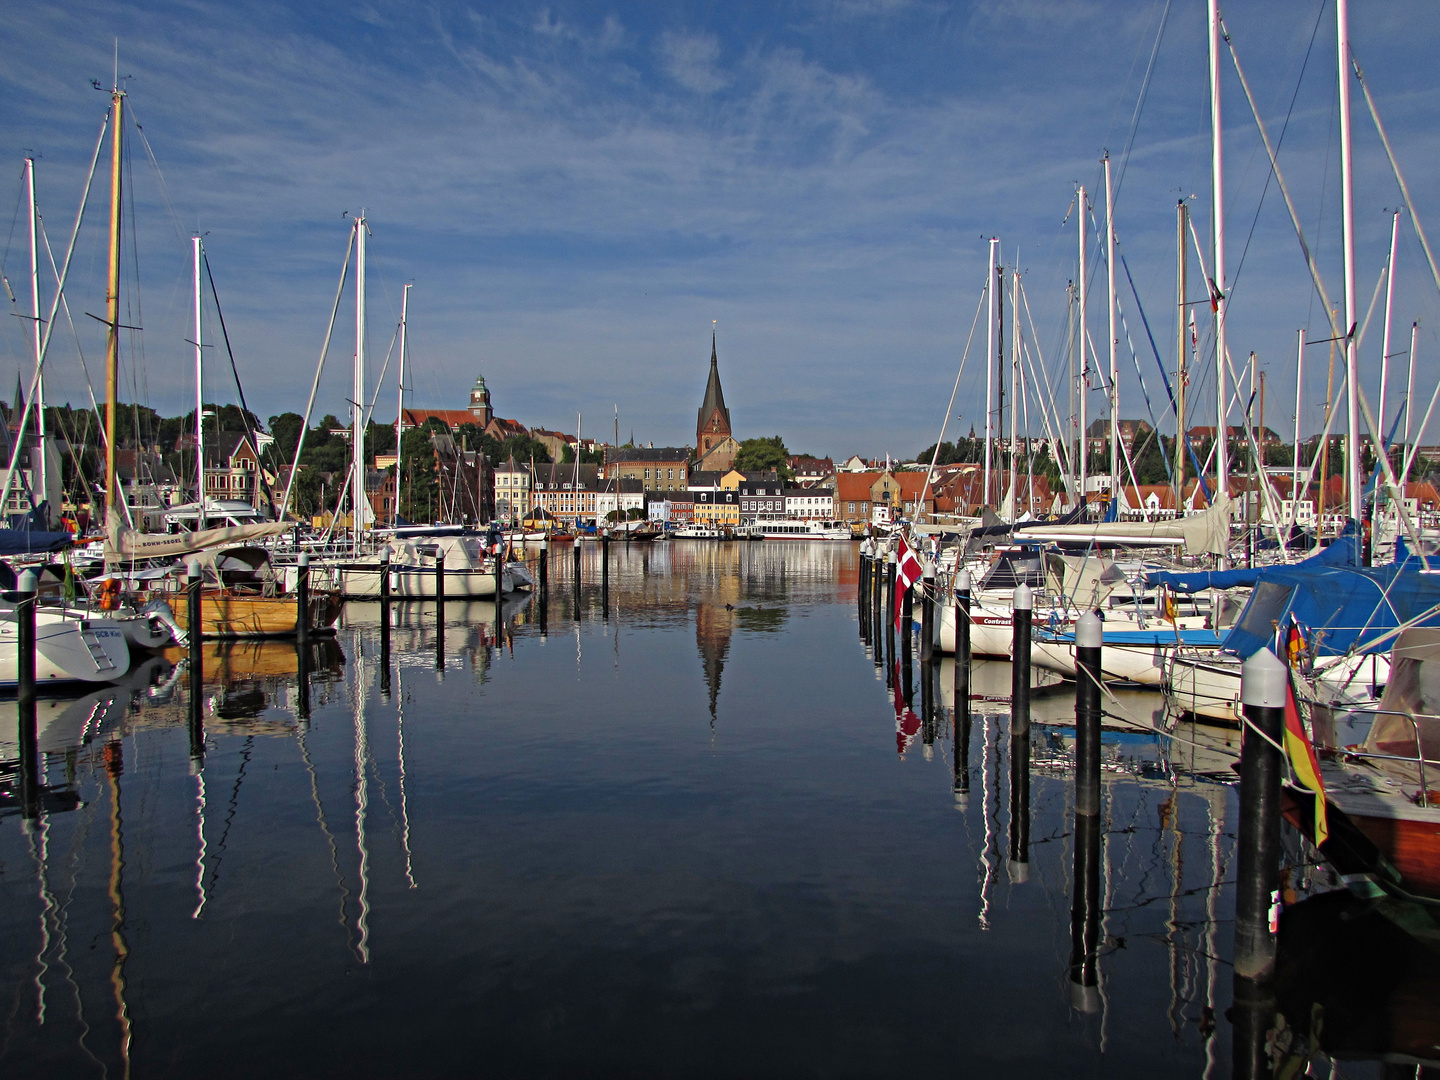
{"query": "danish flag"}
{"type": "Point", "coordinates": [907, 572]}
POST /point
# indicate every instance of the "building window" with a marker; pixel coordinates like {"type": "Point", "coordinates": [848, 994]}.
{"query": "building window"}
{"type": "Point", "coordinates": [647, 474]}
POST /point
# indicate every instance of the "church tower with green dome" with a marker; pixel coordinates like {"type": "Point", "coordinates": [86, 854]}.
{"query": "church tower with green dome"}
{"type": "Point", "coordinates": [480, 402]}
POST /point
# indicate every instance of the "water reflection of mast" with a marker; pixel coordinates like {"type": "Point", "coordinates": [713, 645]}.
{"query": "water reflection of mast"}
{"type": "Point", "coordinates": [325, 827]}
{"type": "Point", "coordinates": [404, 810]}
{"type": "Point", "coordinates": [362, 803]}
{"type": "Point", "coordinates": [1216, 817]}
{"type": "Point", "coordinates": [114, 766]}
{"type": "Point", "coordinates": [200, 857]}
{"type": "Point", "coordinates": [988, 811]}
{"type": "Point", "coordinates": [36, 831]}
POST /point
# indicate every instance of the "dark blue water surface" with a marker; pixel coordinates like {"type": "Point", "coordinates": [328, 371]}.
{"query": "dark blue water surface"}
{"type": "Point", "coordinates": [695, 839]}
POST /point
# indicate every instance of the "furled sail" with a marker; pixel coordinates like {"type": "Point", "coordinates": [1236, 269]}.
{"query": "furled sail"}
{"type": "Point", "coordinates": [1203, 533]}
{"type": "Point", "coordinates": [125, 543]}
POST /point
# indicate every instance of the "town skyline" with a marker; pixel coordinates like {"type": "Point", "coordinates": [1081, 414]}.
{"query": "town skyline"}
{"type": "Point", "coordinates": [577, 196]}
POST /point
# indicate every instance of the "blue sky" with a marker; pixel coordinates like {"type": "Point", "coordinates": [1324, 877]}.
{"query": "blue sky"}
{"type": "Point", "coordinates": [578, 190]}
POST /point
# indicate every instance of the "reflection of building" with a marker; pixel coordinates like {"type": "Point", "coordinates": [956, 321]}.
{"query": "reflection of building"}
{"type": "Point", "coordinates": [714, 623]}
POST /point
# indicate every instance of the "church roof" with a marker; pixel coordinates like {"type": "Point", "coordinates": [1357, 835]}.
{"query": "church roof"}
{"type": "Point", "coordinates": [714, 397]}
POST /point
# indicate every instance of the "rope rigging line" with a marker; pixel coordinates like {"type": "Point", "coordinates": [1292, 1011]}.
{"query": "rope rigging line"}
{"type": "Point", "coordinates": [965, 354]}
{"type": "Point", "coordinates": [319, 368]}
{"type": "Point", "coordinates": [234, 370]}
{"type": "Point", "coordinates": [50, 322]}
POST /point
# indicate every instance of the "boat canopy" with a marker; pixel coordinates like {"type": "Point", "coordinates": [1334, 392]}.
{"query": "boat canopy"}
{"type": "Point", "coordinates": [32, 541]}
{"type": "Point", "coordinates": [1345, 609]}
{"type": "Point", "coordinates": [1411, 693]}
{"type": "Point", "coordinates": [1344, 551]}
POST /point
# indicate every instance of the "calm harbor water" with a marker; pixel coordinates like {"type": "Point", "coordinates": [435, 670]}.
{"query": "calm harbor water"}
{"type": "Point", "coordinates": [700, 837]}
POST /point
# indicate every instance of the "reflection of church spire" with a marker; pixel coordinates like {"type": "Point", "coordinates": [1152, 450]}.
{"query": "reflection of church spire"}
{"type": "Point", "coordinates": [712, 635]}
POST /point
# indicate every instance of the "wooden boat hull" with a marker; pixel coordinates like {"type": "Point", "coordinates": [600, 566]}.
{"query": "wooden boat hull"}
{"type": "Point", "coordinates": [226, 615]}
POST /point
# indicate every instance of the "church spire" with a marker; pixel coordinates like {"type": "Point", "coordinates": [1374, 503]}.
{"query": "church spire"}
{"type": "Point", "coordinates": [713, 422]}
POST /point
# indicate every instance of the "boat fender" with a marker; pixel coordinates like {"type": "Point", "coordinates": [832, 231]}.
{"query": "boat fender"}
{"type": "Point", "coordinates": [110, 594]}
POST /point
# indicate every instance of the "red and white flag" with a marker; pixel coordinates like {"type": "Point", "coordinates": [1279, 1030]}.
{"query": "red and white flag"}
{"type": "Point", "coordinates": [907, 572]}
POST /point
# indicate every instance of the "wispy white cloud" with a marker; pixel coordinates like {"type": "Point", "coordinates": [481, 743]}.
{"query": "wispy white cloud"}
{"type": "Point", "coordinates": [693, 60]}
{"type": "Point", "coordinates": [574, 213]}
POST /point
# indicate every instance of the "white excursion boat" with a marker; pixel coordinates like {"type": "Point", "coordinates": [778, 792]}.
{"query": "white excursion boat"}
{"type": "Point", "coordinates": [800, 529]}
{"type": "Point", "coordinates": [699, 532]}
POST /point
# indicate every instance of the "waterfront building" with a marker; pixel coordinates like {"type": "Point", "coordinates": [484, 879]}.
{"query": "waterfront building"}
{"type": "Point", "coordinates": [620, 494]}
{"type": "Point", "coordinates": [512, 490]}
{"type": "Point", "coordinates": [810, 503]}
{"type": "Point", "coordinates": [232, 469]}
{"type": "Point", "coordinates": [810, 471]}
{"type": "Point", "coordinates": [665, 468]}
{"type": "Point", "coordinates": [880, 497]}
{"type": "Point", "coordinates": [718, 507]}
{"type": "Point", "coordinates": [479, 412]}
{"type": "Point", "coordinates": [566, 492]}
{"type": "Point", "coordinates": [762, 498]}
{"type": "Point", "coordinates": [677, 508]}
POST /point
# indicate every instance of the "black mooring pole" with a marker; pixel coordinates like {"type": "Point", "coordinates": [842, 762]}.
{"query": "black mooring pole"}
{"type": "Point", "coordinates": [28, 720]}
{"type": "Point", "coordinates": [1020, 734]}
{"type": "Point", "coordinates": [1085, 892]}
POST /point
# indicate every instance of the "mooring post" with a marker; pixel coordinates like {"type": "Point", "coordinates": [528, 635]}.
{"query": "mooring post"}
{"type": "Point", "coordinates": [889, 604]}
{"type": "Point", "coordinates": [962, 620]}
{"type": "Point", "coordinates": [29, 730]}
{"type": "Point", "coordinates": [1089, 635]}
{"type": "Point", "coordinates": [907, 636]}
{"type": "Point", "coordinates": [575, 546]}
{"type": "Point", "coordinates": [302, 598]}
{"type": "Point", "coordinates": [927, 613]}
{"type": "Point", "coordinates": [605, 576]}
{"type": "Point", "coordinates": [385, 622]}
{"type": "Point", "coordinates": [193, 625]}
{"type": "Point", "coordinates": [544, 587]}
{"type": "Point", "coordinates": [1085, 894]}
{"type": "Point", "coordinates": [499, 575]}
{"type": "Point", "coordinates": [439, 585]}
{"type": "Point", "coordinates": [1022, 606]}
{"type": "Point", "coordinates": [1263, 683]}
{"type": "Point", "coordinates": [862, 597]}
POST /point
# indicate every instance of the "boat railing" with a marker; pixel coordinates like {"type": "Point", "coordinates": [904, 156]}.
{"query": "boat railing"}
{"type": "Point", "coordinates": [1372, 755]}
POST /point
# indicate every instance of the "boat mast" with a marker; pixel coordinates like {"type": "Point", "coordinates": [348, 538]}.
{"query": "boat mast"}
{"type": "Point", "coordinates": [1218, 289]}
{"type": "Point", "coordinates": [1084, 363]}
{"type": "Point", "coordinates": [39, 403]}
{"type": "Point", "coordinates": [1182, 281]}
{"type": "Point", "coordinates": [1347, 196]}
{"type": "Point", "coordinates": [1410, 381]}
{"type": "Point", "coordinates": [1114, 338]}
{"type": "Point", "coordinates": [1295, 458]}
{"type": "Point", "coordinates": [112, 299]}
{"type": "Point", "coordinates": [989, 363]}
{"type": "Point", "coordinates": [357, 432]}
{"type": "Point", "coordinates": [1014, 388]}
{"type": "Point", "coordinates": [1385, 347]}
{"type": "Point", "coordinates": [199, 253]}
{"type": "Point", "coordinates": [400, 395]}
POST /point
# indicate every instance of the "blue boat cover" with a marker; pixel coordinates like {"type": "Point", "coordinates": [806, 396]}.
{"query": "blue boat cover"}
{"type": "Point", "coordinates": [1344, 550]}
{"type": "Point", "coordinates": [1339, 608]}
{"type": "Point", "coordinates": [32, 541]}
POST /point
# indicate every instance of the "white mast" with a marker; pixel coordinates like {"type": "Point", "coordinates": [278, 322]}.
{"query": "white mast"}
{"type": "Point", "coordinates": [1295, 459]}
{"type": "Point", "coordinates": [1084, 362]}
{"type": "Point", "coordinates": [990, 299]}
{"type": "Point", "coordinates": [1114, 339]}
{"type": "Point", "coordinates": [1410, 381]}
{"type": "Point", "coordinates": [43, 485]}
{"type": "Point", "coordinates": [1218, 285]}
{"type": "Point", "coordinates": [1014, 388]}
{"type": "Point", "coordinates": [357, 432]}
{"type": "Point", "coordinates": [1389, 305]}
{"type": "Point", "coordinates": [199, 253]}
{"type": "Point", "coordinates": [400, 395]}
{"type": "Point", "coordinates": [1347, 198]}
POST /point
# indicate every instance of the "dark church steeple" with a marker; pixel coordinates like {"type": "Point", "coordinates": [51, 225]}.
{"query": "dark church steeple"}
{"type": "Point", "coordinates": [713, 423]}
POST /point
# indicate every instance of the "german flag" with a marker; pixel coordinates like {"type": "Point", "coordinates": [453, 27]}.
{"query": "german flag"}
{"type": "Point", "coordinates": [1303, 762]}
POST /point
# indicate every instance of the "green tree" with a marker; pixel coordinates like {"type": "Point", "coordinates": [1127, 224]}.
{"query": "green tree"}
{"type": "Point", "coordinates": [764, 455]}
